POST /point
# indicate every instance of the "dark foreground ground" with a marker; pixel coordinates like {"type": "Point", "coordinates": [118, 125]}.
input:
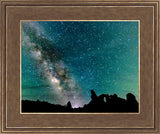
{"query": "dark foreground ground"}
{"type": "Point", "coordinates": [102, 103]}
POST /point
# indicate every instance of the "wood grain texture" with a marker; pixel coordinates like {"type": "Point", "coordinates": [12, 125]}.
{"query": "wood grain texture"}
{"type": "Point", "coordinates": [147, 121]}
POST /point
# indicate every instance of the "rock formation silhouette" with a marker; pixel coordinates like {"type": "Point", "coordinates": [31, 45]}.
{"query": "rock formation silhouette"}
{"type": "Point", "coordinates": [101, 103]}
{"type": "Point", "coordinates": [69, 106]}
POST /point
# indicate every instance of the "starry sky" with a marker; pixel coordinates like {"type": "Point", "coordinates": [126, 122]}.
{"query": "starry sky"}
{"type": "Point", "coordinates": [62, 61]}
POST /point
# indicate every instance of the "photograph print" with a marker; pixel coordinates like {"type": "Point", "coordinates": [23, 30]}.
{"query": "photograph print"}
{"type": "Point", "coordinates": [80, 66]}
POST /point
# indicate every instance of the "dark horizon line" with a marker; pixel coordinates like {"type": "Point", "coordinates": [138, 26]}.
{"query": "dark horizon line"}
{"type": "Point", "coordinates": [101, 103]}
{"type": "Point", "coordinates": [57, 103]}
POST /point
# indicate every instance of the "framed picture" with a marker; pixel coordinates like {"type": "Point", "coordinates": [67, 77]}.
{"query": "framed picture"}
{"type": "Point", "coordinates": [63, 61]}
{"type": "Point", "coordinates": [80, 66]}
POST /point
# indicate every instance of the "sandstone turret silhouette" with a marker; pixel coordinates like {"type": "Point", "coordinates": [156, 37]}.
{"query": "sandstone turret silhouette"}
{"type": "Point", "coordinates": [69, 106]}
{"type": "Point", "coordinates": [132, 104]}
{"type": "Point", "coordinates": [93, 95]}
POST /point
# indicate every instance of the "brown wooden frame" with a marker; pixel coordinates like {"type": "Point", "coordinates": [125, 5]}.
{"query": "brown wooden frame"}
{"type": "Point", "coordinates": [146, 11]}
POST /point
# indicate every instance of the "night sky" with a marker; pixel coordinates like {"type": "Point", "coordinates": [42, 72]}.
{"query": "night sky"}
{"type": "Point", "coordinates": [62, 61]}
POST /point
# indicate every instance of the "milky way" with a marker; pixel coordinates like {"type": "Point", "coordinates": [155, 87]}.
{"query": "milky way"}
{"type": "Point", "coordinates": [53, 69]}
{"type": "Point", "coordinates": [63, 61]}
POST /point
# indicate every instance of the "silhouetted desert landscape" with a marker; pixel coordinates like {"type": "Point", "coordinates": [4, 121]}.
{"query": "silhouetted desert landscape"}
{"type": "Point", "coordinates": [101, 103]}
